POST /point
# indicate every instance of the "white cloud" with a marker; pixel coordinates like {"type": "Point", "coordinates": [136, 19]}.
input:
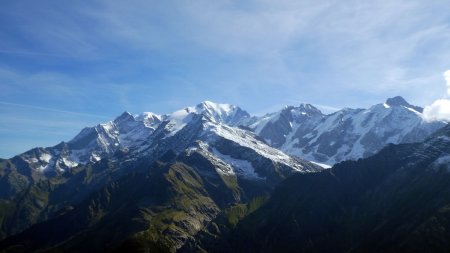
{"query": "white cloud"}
{"type": "Point", "coordinates": [447, 79]}
{"type": "Point", "coordinates": [439, 110]}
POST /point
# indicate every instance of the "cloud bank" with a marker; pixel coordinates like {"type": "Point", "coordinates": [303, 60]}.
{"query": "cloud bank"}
{"type": "Point", "coordinates": [440, 109]}
{"type": "Point", "coordinates": [447, 79]}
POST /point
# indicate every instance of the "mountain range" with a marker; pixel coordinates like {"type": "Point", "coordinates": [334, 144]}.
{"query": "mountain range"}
{"type": "Point", "coordinates": [191, 180]}
{"type": "Point", "coordinates": [395, 201]}
{"type": "Point", "coordinates": [348, 134]}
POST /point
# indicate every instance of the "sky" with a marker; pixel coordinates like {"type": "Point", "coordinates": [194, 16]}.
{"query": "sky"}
{"type": "Point", "coordinates": [65, 65]}
{"type": "Point", "coordinates": [439, 110]}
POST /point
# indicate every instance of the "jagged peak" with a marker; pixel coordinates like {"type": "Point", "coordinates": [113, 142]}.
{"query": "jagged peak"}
{"type": "Point", "coordinates": [397, 101]}
{"type": "Point", "coordinates": [125, 116]}
{"type": "Point", "coordinates": [310, 109]}
{"type": "Point", "coordinates": [400, 101]}
{"type": "Point", "coordinates": [306, 109]}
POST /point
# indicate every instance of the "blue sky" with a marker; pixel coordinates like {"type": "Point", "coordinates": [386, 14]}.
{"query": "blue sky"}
{"type": "Point", "coordinates": [69, 64]}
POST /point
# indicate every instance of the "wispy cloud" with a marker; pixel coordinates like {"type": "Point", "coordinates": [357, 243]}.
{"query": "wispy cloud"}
{"type": "Point", "coordinates": [105, 56]}
{"type": "Point", "coordinates": [374, 47]}
{"type": "Point", "coordinates": [34, 107]}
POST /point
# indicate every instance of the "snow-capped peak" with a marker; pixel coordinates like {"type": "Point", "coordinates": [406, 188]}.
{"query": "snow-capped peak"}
{"type": "Point", "coordinates": [125, 131]}
{"type": "Point", "coordinates": [151, 120]}
{"type": "Point", "coordinates": [345, 134]}
{"type": "Point", "coordinates": [213, 112]}
{"type": "Point", "coordinates": [218, 113]}
{"type": "Point", "coordinates": [219, 108]}
{"type": "Point", "coordinates": [222, 113]}
{"type": "Point", "coordinates": [288, 117]}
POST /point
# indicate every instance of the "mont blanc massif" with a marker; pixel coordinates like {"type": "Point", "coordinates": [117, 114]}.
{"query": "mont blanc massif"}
{"type": "Point", "coordinates": [213, 178]}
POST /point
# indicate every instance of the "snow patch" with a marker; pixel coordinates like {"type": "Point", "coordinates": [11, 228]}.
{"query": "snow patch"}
{"type": "Point", "coordinates": [240, 167]}
{"type": "Point", "coordinates": [414, 111]}
{"type": "Point", "coordinates": [31, 160]}
{"type": "Point", "coordinates": [95, 157]}
{"type": "Point", "coordinates": [69, 163]}
{"type": "Point", "coordinates": [178, 120]}
{"type": "Point", "coordinates": [244, 139]}
{"type": "Point", "coordinates": [323, 165]}
{"type": "Point", "coordinates": [45, 157]}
